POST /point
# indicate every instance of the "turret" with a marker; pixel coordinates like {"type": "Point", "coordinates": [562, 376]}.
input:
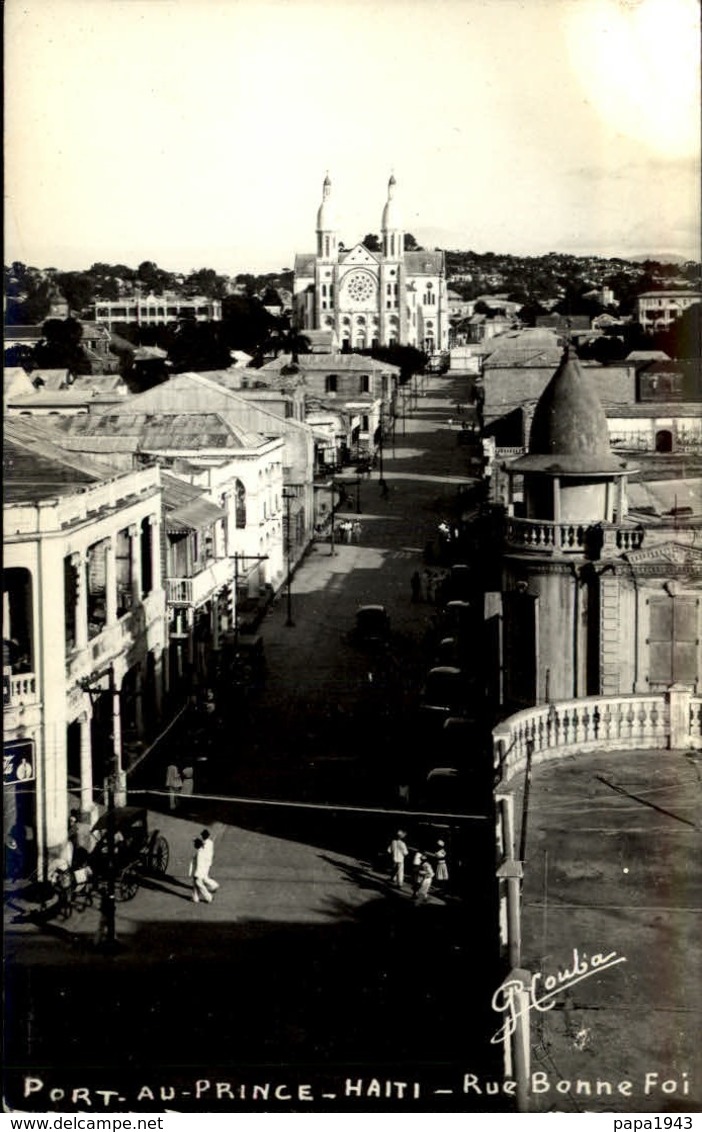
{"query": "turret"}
{"type": "Point", "coordinates": [392, 230]}
{"type": "Point", "coordinates": [327, 228]}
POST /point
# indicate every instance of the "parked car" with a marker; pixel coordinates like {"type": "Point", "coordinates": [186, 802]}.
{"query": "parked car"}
{"type": "Point", "coordinates": [445, 692]}
{"type": "Point", "coordinates": [372, 625]}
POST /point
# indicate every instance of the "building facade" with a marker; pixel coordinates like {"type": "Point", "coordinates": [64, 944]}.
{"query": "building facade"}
{"type": "Point", "coordinates": [84, 632]}
{"type": "Point", "coordinates": [157, 310]}
{"type": "Point", "coordinates": [657, 310]}
{"type": "Point", "coordinates": [384, 298]}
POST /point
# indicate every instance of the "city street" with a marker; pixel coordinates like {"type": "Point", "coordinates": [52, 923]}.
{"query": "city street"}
{"type": "Point", "coordinates": [307, 959]}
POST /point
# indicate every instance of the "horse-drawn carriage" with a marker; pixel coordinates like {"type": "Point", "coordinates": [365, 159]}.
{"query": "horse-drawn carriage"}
{"type": "Point", "coordinates": [132, 851]}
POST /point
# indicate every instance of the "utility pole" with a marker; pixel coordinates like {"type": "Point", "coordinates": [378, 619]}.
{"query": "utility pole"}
{"type": "Point", "coordinates": [108, 900]}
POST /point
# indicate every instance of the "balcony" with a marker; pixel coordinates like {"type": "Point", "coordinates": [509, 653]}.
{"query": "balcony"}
{"type": "Point", "coordinates": [20, 701]}
{"type": "Point", "coordinates": [20, 689]}
{"type": "Point", "coordinates": [198, 589]}
{"type": "Point", "coordinates": [544, 537]}
{"type": "Point", "coordinates": [609, 723]}
{"type": "Point", "coordinates": [117, 638]}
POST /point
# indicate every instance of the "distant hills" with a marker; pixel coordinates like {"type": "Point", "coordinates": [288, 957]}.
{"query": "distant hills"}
{"type": "Point", "coordinates": [657, 257]}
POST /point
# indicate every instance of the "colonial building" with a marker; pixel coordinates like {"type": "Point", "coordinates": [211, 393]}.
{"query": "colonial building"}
{"type": "Point", "coordinates": [157, 310]}
{"type": "Point", "coordinates": [83, 636]}
{"type": "Point", "coordinates": [371, 298]}
{"type": "Point", "coordinates": [658, 310]}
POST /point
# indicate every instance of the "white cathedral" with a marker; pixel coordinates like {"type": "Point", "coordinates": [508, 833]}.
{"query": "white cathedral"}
{"type": "Point", "coordinates": [365, 298]}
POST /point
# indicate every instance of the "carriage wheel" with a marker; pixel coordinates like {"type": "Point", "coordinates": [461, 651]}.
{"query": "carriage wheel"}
{"type": "Point", "coordinates": [127, 885]}
{"type": "Point", "coordinates": [158, 858]}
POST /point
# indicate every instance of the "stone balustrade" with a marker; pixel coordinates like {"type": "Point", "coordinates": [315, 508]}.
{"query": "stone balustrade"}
{"type": "Point", "coordinates": [21, 689]}
{"type": "Point", "coordinates": [546, 537]}
{"type": "Point", "coordinates": [669, 721]}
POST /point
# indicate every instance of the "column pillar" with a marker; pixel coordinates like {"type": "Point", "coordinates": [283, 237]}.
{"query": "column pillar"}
{"type": "Point", "coordinates": [110, 581]}
{"type": "Point", "coordinates": [622, 500]}
{"type": "Point", "coordinates": [135, 557]}
{"type": "Point", "coordinates": [679, 699]}
{"type": "Point", "coordinates": [556, 501]}
{"type": "Point", "coordinates": [78, 562]}
{"type": "Point", "coordinates": [87, 802]}
{"type": "Point", "coordinates": [157, 579]}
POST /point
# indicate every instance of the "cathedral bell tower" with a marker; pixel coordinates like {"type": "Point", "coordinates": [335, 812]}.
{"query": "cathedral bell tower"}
{"type": "Point", "coordinates": [391, 228]}
{"type": "Point", "coordinates": [327, 228]}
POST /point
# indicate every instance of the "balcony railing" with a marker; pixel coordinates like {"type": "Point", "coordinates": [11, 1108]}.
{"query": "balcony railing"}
{"type": "Point", "coordinates": [545, 537]}
{"type": "Point", "coordinates": [672, 720]}
{"type": "Point", "coordinates": [19, 689]}
{"type": "Point", "coordinates": [198, 589]}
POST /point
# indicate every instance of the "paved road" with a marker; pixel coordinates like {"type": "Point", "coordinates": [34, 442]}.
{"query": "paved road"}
{"type": "Point", "coordinates": [306, 957]}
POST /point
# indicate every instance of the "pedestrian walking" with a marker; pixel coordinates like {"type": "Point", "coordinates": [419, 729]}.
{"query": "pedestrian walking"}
{"type": "Point", "coordinates": [357, 531]}
{"type": "Point", "coordinates": [347, 528]}
{"type": "Point", "coordinates": [208, 856]}
{"type": "Point", "coordinates": [174, 785]}
{"type": "Point", "coordinates": [198, 873]}
{"type": "Point", "coordinates": [398, 851]}
{"type": "Point", "coordinates": [442, 873]}
{"type": "Point", "coordinates": [384, 489]}
{"type": "Point", "coordinates": [416, 584]}
{"type": "Point", "coordinates": [425, 875]}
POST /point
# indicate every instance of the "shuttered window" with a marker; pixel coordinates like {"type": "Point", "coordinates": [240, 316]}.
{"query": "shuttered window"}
{"type": "Point", "coordinates": [673, 645]}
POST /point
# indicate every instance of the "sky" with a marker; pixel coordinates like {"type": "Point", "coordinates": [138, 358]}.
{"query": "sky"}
{"type": "Point", "coordinates": [197, 133]}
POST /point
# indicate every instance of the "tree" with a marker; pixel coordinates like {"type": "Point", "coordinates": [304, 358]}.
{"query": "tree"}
{"type": "Point", "coordinates": [206, 282]}
{"type": "Point", "coordinates": [61, 348]}
{"type": "Point", "coordinates": [77, 289]}
{"type": "Point", "coordinates": [411, 244]}
{"type": "Point", "coordinates": [372, 242]}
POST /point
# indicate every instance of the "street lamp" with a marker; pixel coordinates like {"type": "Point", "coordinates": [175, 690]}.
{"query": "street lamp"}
{"type": "Point", "coordinates": [108, 901]}
{"type": "Point", "coordinates": [288, 494]}
{"type": "Point", "coordinates": [358, 495]}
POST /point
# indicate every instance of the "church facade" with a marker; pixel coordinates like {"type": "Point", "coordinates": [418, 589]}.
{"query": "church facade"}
{"type": "Point", "coordinates": [366, 298]}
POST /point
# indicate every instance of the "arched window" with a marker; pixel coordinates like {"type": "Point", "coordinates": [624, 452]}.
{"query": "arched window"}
{"type": "Point", "coordinates": [664, 440]}
{"type": "Point", "coordinates": [240, 506]}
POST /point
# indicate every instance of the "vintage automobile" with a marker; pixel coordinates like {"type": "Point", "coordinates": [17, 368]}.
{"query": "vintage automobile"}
{"type": "Point", "coordinates": [445, 693]}
{"type": "Point", "coordinates": [372, 625]}
{"type": "Point", "coordinates": [138, 850]}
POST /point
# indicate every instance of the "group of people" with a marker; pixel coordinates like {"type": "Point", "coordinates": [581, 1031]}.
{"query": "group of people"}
{"type": "Point", "coordinates": [350, 531]}
{"type": "Point", "coordinates": [428, 586]}
{"type": "Point", "coordinates": [179, 784]}
{"type": "Point", "coordinates": [423, 873]}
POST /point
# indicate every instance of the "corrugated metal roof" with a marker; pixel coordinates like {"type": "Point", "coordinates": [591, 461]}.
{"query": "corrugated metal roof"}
{"type": "Point", "coordinates": [196, 515]}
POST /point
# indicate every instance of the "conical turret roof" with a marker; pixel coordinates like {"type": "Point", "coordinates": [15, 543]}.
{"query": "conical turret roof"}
{"type": "Point", "coordinates": [569, 433]}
